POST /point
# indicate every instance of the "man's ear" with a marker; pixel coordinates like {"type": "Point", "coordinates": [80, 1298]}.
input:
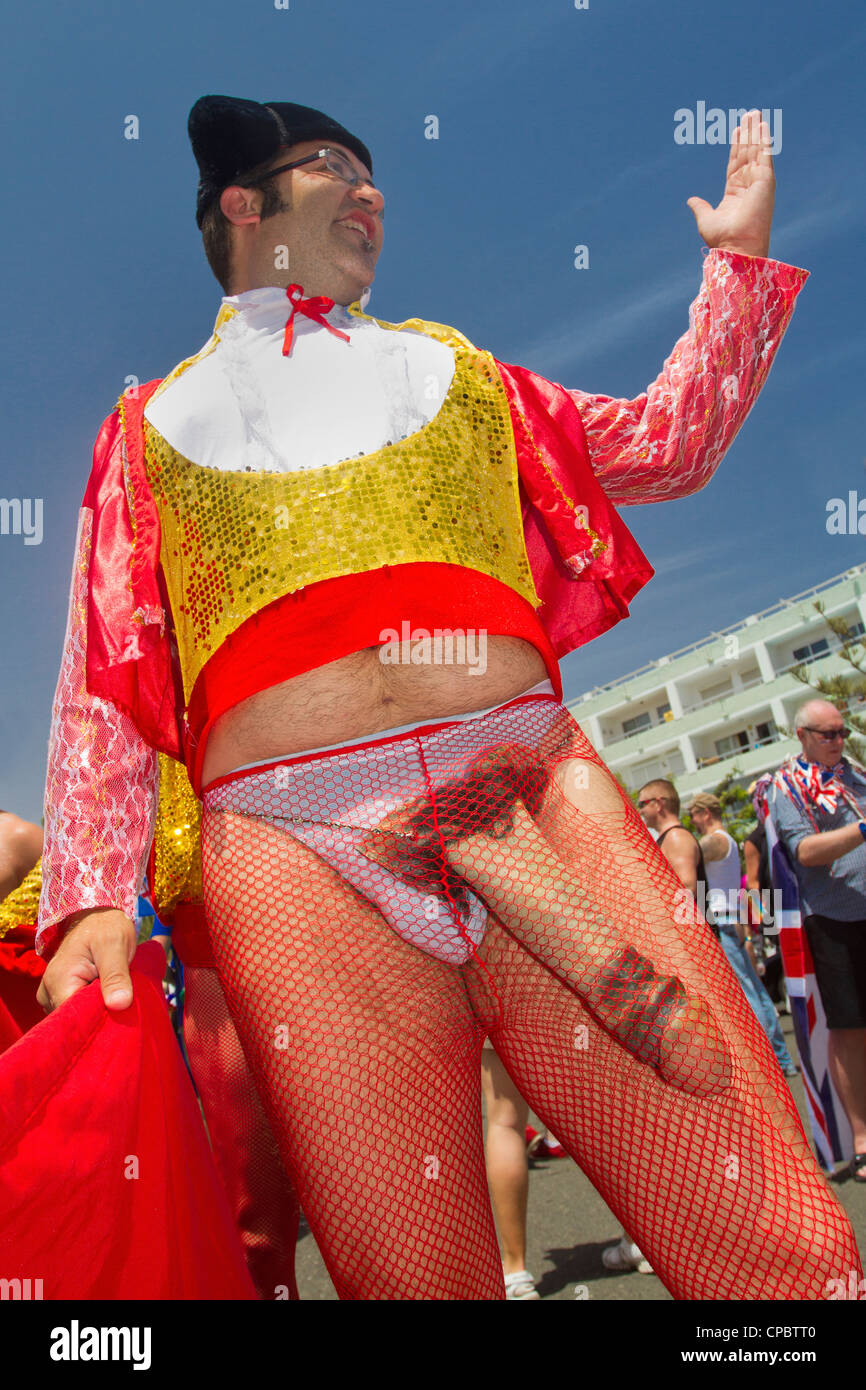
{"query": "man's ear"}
{"type": "Point", "coordinates": [241, 205]}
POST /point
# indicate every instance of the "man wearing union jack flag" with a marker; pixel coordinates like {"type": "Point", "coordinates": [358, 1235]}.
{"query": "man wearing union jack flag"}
{"type": "Point", "coordinates": [819, 812]}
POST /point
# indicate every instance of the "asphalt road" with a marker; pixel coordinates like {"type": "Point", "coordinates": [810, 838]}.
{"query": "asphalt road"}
{"type": "Point", "coordinates": [569, 1226]}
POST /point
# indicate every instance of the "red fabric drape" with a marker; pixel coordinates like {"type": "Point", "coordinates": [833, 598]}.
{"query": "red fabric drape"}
{"type": "Point", "coordinates": [129, 658]}
{"type": "Point", "coordinates": [10, 1030]}
{"type": "Point", "coordinates": [564, 511]}
{"type": "Point", "coordinates": [20, 972]}
{"type": "Point", "coordinates": [108, 1188]}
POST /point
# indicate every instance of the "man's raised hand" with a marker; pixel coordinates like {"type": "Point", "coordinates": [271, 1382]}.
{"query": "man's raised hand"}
{"type": "Point", "coordinates": [101, 943]}
{"type": "Point", "coordinates": [741, 222]}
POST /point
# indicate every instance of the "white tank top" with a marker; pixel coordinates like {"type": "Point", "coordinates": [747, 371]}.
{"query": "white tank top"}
{"type": "Point", "coordinates": [723, 877]}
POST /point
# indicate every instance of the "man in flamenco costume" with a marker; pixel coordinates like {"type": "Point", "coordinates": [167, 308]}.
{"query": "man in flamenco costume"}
{"type": "Point", "coordinates": [328, 565]}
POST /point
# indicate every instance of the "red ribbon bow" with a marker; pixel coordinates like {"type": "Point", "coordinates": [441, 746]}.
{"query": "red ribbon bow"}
{"type": "Point", "coordinates": [315, 308]}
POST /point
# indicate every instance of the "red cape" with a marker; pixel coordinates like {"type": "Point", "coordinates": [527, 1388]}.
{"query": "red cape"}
{"type": "Point", "coordinates": [108, 1189]}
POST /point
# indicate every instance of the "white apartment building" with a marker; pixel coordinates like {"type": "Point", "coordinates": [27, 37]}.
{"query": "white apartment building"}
{"type": "Point", "coordinates": [719, 705]}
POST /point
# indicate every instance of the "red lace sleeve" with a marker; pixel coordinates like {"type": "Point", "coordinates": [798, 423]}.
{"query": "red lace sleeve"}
{"type": "Point", "coordinates": [670, 440]}
{"type": "Point", "coordinates": [101, 786]}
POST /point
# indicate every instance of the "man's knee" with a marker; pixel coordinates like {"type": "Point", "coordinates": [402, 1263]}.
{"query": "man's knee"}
{"type": "Point", "coordinates": [588, 787]}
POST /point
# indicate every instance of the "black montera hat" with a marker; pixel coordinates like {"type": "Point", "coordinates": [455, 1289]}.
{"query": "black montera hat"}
{"type": "Point", "coordinates": [230, 136]}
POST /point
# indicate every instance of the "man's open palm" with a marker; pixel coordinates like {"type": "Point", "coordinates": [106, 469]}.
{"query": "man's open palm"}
{"type": "Point", "coordinates": [741, 222]}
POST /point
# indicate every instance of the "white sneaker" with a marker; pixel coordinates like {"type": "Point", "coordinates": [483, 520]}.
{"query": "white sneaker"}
{"type": "Point", "coordinates": [625, 1255]}
{"type": "Point", "coordinates": [520, 1285]}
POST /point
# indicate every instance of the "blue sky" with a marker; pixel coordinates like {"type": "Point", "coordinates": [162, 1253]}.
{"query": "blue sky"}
{"type": "Point", "coordinates": [556, 128]}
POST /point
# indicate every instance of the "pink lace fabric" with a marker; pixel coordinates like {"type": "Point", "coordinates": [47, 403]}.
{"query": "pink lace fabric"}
{"type": "Point", "coordinates": [100, 790]}
{"type": "Point", "coordinates": [669, 441]}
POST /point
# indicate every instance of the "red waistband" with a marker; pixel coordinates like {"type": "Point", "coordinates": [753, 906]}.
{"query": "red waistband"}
{"type": "Point", "coordinates": [375, 741]}
{"type": "Point", "coordinates": [332, 619]}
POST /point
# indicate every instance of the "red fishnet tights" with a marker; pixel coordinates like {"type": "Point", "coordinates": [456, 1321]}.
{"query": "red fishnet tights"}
{"type": "Point", "coordinates": [259, 1189]}
{"type": "Point", "coordinates": [623, 1027]}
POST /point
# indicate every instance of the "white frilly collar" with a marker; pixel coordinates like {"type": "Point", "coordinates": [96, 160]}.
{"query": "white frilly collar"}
{"type": "Point", "coordinates": [268, 305]}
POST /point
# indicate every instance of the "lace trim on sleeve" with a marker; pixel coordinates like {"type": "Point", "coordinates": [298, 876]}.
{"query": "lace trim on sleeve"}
{"type": "Point", "coordinates": [101, 786]}
{"type": "Point", "coordinates": [670, 440]}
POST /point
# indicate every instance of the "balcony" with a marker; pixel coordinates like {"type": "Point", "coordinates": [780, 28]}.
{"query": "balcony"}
{"type": "Point", "coordinates": [714, 758]}
{"type": "Point", "coordinates": [745, 704]}
{"type": "Point", "coordinates": [714, 699]}
{"type": "Point", "coordinates": [788, 615]}
{"type": "Point", "coordinates": [747, 764]}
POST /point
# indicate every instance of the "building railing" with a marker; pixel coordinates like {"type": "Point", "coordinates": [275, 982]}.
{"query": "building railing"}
{"type": "Point", "coordinates": [636, 733]}
{"type": "Point", "coordinates": [723, 695]}
{"type": "Point", "coordinates": [834, 645]}
{"type": "Point", "coordinates": [724, 632]}
{"type": "Point", "coordinates": [738, 752]}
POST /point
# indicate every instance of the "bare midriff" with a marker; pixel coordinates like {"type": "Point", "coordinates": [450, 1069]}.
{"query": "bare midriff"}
{"type": "Point", "coordinates": [361, 695]}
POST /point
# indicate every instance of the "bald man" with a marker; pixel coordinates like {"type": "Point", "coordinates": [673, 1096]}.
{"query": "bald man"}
{"type": "Point", "coordinates": [818, 806]}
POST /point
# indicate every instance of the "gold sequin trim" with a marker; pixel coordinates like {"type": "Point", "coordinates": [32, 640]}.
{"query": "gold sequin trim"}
{"type": "Point", "coordinates": [176, 839]}
{"type": "Point", "coordinates": [21, 907]}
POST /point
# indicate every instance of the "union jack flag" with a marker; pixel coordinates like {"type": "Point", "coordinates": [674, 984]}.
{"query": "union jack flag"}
{"type": "Point", "coordinates": [831, 1132]}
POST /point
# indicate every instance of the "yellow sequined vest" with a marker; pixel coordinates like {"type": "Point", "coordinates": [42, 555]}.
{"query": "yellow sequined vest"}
{"type": "Point", "coordinates": [233, 542]}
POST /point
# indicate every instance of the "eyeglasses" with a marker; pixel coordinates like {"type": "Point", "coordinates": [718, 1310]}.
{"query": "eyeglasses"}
{"type": "Point", "coordinates": [649, 799]}
{"type": "Point", "coordinates": [335, 163]}
{"type": "Point", "coordinates": [827, 735]}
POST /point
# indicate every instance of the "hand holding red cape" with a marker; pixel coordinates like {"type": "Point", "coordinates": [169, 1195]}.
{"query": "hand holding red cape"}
{"type": "Point", "coordinates": [108, 1188]}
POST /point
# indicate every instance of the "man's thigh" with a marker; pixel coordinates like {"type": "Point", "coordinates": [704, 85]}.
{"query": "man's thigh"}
{"type": "Point", "coordinates": [367, 1052]}
{"type": "Point", "coordinates": [582, 887]}
{"type": "Point", "coordinates": [723, 1202]}
{"type": "Point", "coordinates": [316, 972]}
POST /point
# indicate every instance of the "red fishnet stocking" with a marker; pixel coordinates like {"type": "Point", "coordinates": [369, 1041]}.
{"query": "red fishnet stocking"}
{"type": "Point", "coordinates": [615, 1011]}
{"type": "Point", "coordinates": [369, 1052]}
{"type": "Point", "coordinates": [259, 1190]}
